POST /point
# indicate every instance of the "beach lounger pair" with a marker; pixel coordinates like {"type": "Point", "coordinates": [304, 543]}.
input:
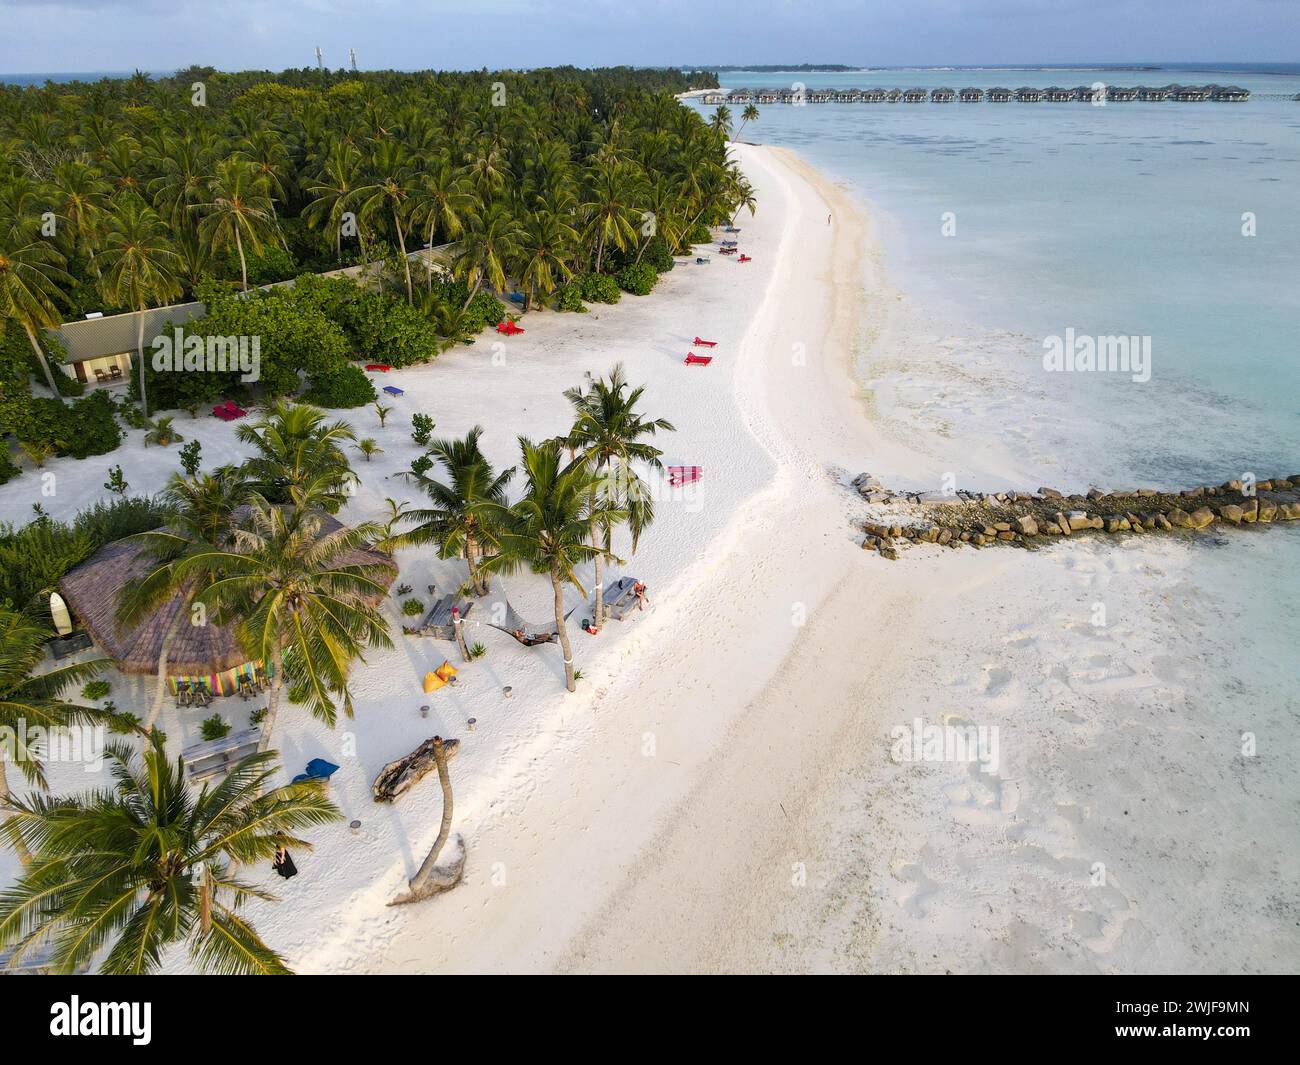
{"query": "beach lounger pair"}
{"type": "Point", "coordinates": [698, 360]}
{"type": "Point", "coordinates": [508, 328]}
{"type": "Point", "coordinates": [393, 390]}
{"type": "Point", "coordinates": [726, 251]}
{"type": "Point", "coordinates": [679, 476]}
{"type": "Point", "coordinates": [228, 411]}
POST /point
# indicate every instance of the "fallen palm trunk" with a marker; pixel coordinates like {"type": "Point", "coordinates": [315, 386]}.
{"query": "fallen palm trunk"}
{"type": "Point", "coordinates": [397, 778]}
{"type": "Point", "coordinates": [1023, 518]}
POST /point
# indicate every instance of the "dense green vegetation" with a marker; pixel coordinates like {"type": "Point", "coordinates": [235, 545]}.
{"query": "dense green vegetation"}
{"type": "Point", "coordinates": [561, 184]}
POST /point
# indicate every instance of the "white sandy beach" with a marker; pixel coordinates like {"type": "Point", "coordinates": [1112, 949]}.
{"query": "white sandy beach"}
{"type": "Point", "coordinates": [719, 793]}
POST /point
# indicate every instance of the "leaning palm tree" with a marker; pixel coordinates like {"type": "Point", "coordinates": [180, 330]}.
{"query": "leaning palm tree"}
{"type": "Point", "coordinates": [146, 865]}
{"type": "Point", "coordinates": [491, 241]}
{"type": "Point", "coordinates": [202, 512]}
{"type": "Point", "coordinates": [460, 522]}
{"type": "Point", "coordinates": [31, 276]}
{"type": "Point", "coordinates": [34, 701]}
{"type": "Point", "coordinates": [609, 435]}
{"type": "Point", "coordinates": [549, 529]}
{"type": "Point", "coordinates": [139, 267]}
{"type": "Point", "coordinates": [748, 115]}
{"type": "Point", "coordinates": [298, 451]}
{"type": "Point", "coordinates": [297, 602]}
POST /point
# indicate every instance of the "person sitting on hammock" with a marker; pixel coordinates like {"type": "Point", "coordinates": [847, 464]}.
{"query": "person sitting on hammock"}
{"type": "Point", "coordinates": [526, 640]}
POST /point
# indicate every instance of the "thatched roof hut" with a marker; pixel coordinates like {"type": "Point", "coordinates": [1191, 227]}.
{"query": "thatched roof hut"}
{"type": "Point", "coordinates": [93, 590]}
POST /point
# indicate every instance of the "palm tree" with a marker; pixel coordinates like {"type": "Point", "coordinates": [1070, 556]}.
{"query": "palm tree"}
{"type": "Point", "coordinates": [297, 603]}
{"type": "Point", "coordinates": [299, 454]}
{"type": "Point", "coordinates": [34, 701]}
{"type": "Point", "coordinates": [392, 191]}
{"type": "Point", "coordinates": [201, 514]}
{"type": "Point", "coordinates": [491, 240]}
{"type": "Point", "coordinates": [461, 520]}
{"type": "Point", "coordinates": [240, 211]}
{"type": "Point", "coordinates": [548, 529]}
{"type": "Point", "coordinates": [748, 115]}
{"type": "Point", "coordinates": [546, 243]}
{"type": "Point", "coordinates": [609, 209]}
{"type": "Point", "coordinates": [146, 865]}
{"type": "Point", "coordinates": [334, 190]}
{"type": "Point", "coordinates": [31, 273]}
{"type": "Point", "coordinates": [720, 123]}
{"type": "Point", "coordinates": [162, 433]}
{"type": "Point", "coordinates": [81, 194]}
{"type": "Point", "coordinates": [139, 267]}
{"type": "Point", "coordinates": [608, 434]}
{"type": "Point", "coordinates": [369, 447]}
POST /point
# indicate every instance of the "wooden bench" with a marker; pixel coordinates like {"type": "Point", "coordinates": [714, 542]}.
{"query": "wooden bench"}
{"type": "Point", "coordinates": [214, 757]}
{"type": "Point", "coordinates": [437, 622]}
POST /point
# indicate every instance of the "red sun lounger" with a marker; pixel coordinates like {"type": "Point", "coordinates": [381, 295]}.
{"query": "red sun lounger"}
{"type": "Point", "coordinates": [508, 328]}
{"type": "Point", "coordinates": [679, 476]}
{"type": "Point", "coordinates": [704, 343]}
{"type": "Point", "coordinates": [381, 367]}
{"type": "Point", "coordinates": [745, 259]}
{"type": "Point", "coordinates": [698, 360]}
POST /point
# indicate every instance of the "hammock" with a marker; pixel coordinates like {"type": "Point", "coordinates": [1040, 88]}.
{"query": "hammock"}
{"type": "Point", "coordinates": [532, 634]}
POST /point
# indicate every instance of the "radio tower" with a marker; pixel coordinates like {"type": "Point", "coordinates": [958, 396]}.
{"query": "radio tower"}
{"type": "Point", "coordinates": [352, 57]}
{"type": "Point", "coordinates": [319, 65]}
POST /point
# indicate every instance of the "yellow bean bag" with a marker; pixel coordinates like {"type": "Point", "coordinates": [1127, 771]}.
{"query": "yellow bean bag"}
{"type": "Point", "coordinates": [432, 682]}
{"type": "Point", "coordinates": [445, 671]}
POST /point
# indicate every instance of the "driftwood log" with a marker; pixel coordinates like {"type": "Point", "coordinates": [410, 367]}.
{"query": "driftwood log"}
{"type": "Point", "coordinates": [397, 778]}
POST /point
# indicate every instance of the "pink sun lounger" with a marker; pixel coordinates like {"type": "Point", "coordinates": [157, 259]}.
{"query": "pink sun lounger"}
{"type": "Point", "coordinates": [698, 360]}
{"type": "Point", "coordinates": [705, 343]}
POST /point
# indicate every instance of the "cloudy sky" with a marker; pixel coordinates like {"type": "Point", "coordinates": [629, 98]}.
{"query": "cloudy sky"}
{"type": "Point", "coordinates": [84, 35]}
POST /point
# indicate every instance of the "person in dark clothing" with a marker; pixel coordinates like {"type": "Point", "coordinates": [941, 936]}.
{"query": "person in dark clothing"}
{"type": "Point", "coordinates": [283, 863]}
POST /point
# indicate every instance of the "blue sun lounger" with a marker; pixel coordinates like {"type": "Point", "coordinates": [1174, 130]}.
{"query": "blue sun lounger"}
{"type": "Point", "coordinates": [393, 390]}
{"type": "Point", "coordinates": [317, 769]}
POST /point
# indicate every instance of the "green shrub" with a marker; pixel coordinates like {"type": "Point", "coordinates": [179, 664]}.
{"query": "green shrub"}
{"type": "Point", "coordinates": [569, 298]}
{"type": "Point", "coordinates": [343, 386]}
{"type": "Point", "coordinates": [599, 288]}
{"type": "Point", "coordinates": [700, 234]}
{"type": "Point", "coordinates": [190, 457]}
{"type": "Point", "coordinates": [421, 465]}
{"type": "Point", "coordinates": [412, 608]}
{"type": "Point", "coordinates": [638, 279]}
{"type": "Point", "coordinates": [659, 255]}
{"type": "Point", "coordinates": [402, 589]}
{"type": "Point", "coordinates": [256, 717]}
{"type": "Point", "coordinates": [477, 651]}
{"type": "Point", "coordinates": [116, 481]}
{"type": "Point", "coordinates": [421, 429]}
{"type": "Point", "coordinates": [8, 468]}
{"type": "Point", "coordinates": [94, 690]}
{"type": "Point", "coordinates": [213, 728]}
{"type": "Point", "coordinates": [84, 428]}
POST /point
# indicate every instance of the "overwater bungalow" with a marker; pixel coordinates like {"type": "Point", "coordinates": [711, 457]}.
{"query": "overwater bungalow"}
{"type": "Point", "coordinates": [1121, 94]}
{"type": "Point", "coordinates": [1000, 95]}
{"type": "Point", "coordinates": [1027, 94]}
{"type": "Point", "coordinates": [1058, 95]}
{"type": "Point", "coordinates": [768, 96]}
{"type": "Point", "coordinates": [894, 95]}
{"type": "Point", "coordinates": [914, 96]}
{"type": "Point", "coordinates": [1231, 93]}
{"type": "Point", "coordinates": [1082, 93]}
{"type": "Point", "coordinates": [875, 96]}
{"type": "Point", "coordinates": [1154, 92]}
{"type": "Point", "coordinates": [942, 96]}
{"type": "Point", "coordinates": [848, 96]}
{"type": "Point", "coordinates": [1189, 93]}
{"type": "Point", "coordinates": [715, 97]}
{"type": "Point", "coordinates": [971, 95]}
{"type": "Point", "coordinates": [819, 96]}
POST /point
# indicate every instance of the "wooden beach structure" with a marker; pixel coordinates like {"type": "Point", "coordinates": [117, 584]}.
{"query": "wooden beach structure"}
{"type": "Point", "coordinates": [999, 95]}
{"type": "Point", "coordinates": [971, 95]}
{"type": "Point", "coordinates": [942, 96]}
{"type": "Point", "coordinates": [209, 654]}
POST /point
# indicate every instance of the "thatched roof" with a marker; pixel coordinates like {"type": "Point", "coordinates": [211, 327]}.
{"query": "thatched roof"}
{"type": "Point", "coordinates": [93, 589]}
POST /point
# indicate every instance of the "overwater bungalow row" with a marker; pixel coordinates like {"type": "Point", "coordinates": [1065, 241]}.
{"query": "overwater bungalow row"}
{"type": "Point", "coordinates": [998, 94]}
